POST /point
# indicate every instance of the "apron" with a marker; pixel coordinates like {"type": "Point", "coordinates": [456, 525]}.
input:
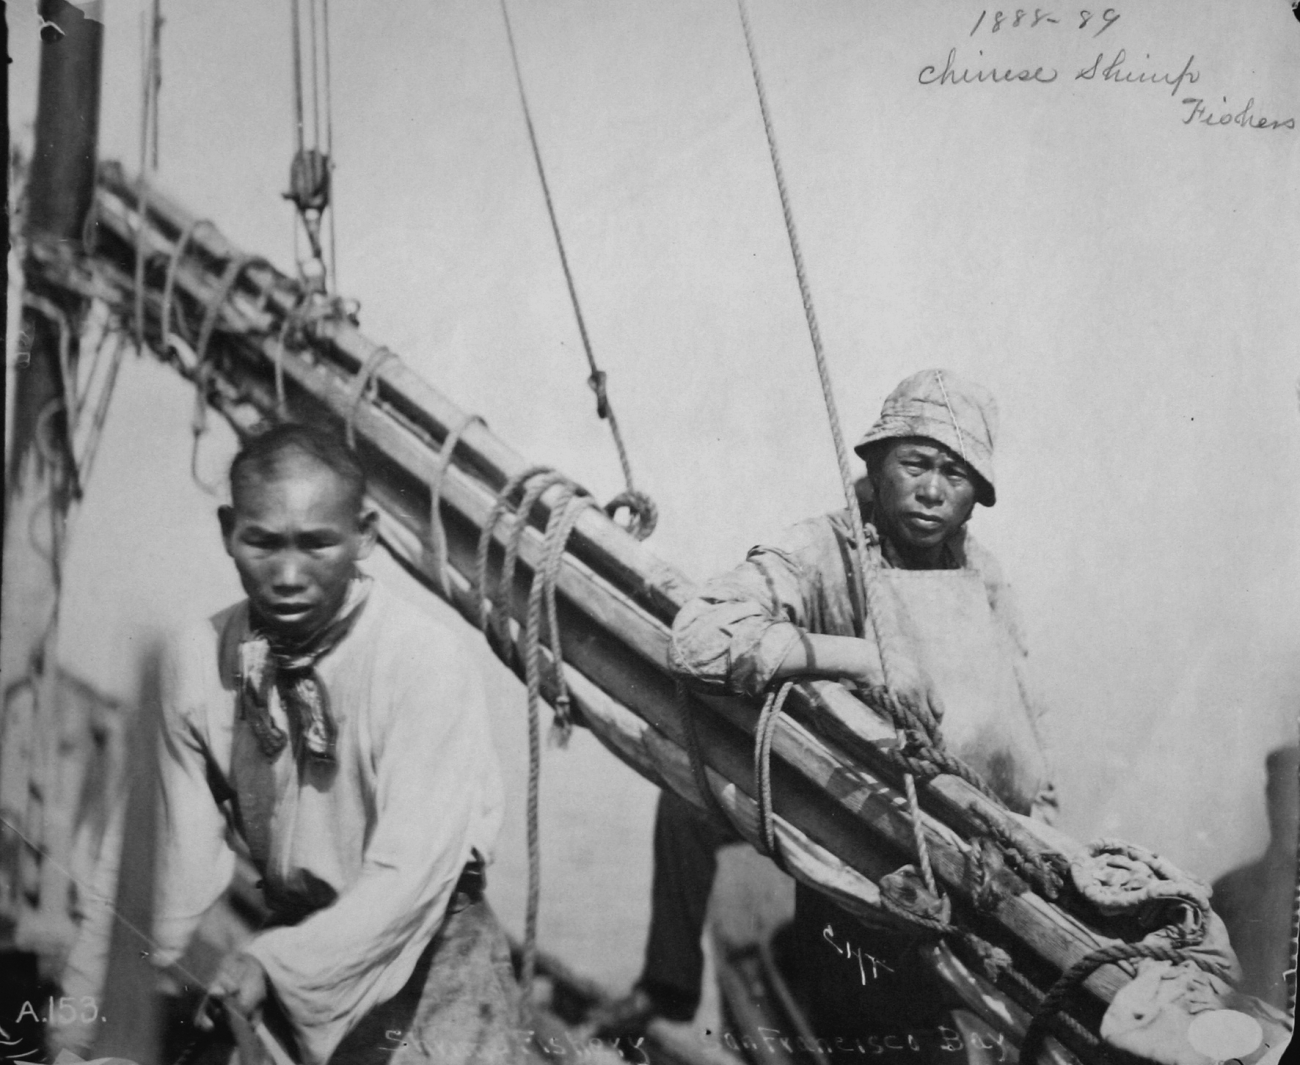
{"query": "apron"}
{"type": "Point", "coordinates": [948, 627]}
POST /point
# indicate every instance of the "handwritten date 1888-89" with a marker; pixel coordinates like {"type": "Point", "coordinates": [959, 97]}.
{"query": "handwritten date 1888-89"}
{"type": "Point", "coordinates": [1022, 18]}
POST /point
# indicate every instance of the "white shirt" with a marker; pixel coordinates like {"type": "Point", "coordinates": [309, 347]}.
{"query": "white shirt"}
{"type": "Point", "coordinates": [373, 844]}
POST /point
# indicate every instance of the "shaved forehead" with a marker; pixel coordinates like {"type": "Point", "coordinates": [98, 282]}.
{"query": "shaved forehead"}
{"type": "Point", "coordinates": [294, 451]}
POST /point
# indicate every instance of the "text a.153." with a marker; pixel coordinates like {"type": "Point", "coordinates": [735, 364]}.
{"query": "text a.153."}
{"type": "Point", "coordinates": [997, 20]}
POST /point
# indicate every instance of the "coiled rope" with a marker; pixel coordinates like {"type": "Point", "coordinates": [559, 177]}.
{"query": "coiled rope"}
{"type": "Point", "coordinates": [566, 507]}
{"type": "Point", "coordinates": [865, 564]}
{"type": "Point", "coordinates": [641, 508]}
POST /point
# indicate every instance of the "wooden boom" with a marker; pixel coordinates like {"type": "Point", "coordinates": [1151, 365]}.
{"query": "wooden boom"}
{"type": "Point", "coordinates": [841, 818]}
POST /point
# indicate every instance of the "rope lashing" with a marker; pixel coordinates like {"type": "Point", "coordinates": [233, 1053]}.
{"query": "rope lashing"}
{"type": "Point", "coordinates": [514, 541]}
{"type": "Point", "coordinates": [643, 512]}
{"type": "Point", "coordinates": [199, 424]}
{"type": "Point", "coordinates": [365, 380]}
{"type": "Point", "coordinates": [873, 601]}
{"type": "Point", "coordinates": [565, 509]}
{"type": "Point", "coordinates": [541, 594]}
{"type": "Point", "coordinates": [169, 281]}
{"type": "Point", "coordinates": [500, 505]}
{"type": "Point", "coordinates": [437, 533]}
{"type": "Point", "coordinates": [764, 733]}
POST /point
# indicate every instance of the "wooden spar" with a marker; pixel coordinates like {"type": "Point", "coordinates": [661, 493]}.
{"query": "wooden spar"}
{"type": "Point", "coordinates": [616, 598]}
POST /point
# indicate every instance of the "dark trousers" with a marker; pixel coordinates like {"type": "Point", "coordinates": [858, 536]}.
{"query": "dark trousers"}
{"type": "Point", "coordinates": [685, 861]}
{"type": "Point", "coordinates": [859, 985]}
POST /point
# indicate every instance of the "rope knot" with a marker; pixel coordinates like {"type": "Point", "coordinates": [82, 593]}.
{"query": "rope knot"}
{"type": "Point", "coordinates": [1123, 879]}
{"type": "Point", "coordinates": [597, 384]}
{"type": "Point", "coordinates": [905, 894]}
{"type": "Point", "coordinates": [995, 960]}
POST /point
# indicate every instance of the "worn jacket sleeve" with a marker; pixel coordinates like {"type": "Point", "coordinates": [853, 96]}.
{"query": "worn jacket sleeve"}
{"type": "Point", "coordinates": [195, 861]}
{"type": "Point", "coordinates": [738, 630]}
{"type": "Point", "coordinates": [432, 754]}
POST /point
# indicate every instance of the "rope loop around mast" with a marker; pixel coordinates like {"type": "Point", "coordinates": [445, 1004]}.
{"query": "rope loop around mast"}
{"type": "Point", "coordinates": [202, 369]}
{"type": "Point", "coordinates": [169, 281]}
{"type": "Point", "coordinates": [437, 547]}
{"type": "Point", "coordinates": [366, 380]}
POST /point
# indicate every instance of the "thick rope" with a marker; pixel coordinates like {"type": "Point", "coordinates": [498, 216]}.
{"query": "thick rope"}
{"type": "Point", "coordinates": [556, 539]}
{"type": "Point", "coordinates": [1055, 999]}
{"type": "Point", "coordinates": [533, 679]}
{"type": "Point", "coordinates": [764, 733]}
{"type": "Point", "coordinates": [199, 424]}
{"type": "Point", "coordinates": [169, 282]}
{"type": "Point", "coordinates": [643, 516]}
{"type": "Point", "coordinates": [566, 507]}
{"type": "Point", "coordinates": [873, 601]}
{"type": "Point", "coordinates": [514, 541]}
{"type": "Point", "coordinates": [483, 609]}
{"type": "Point", "coordinates": [366, 379]}
{"type": "Point", "coordinates": [437, 533]}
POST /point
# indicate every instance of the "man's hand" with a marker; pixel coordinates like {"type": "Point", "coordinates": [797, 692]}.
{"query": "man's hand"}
{"type": "Point", "coordinates": [856, 662]}
{"type": "Point", "coordinates": [240, 983]}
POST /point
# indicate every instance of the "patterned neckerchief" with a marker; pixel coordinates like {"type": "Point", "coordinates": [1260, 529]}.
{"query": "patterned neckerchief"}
{"type": "Point", "coordinates": [270, 672]}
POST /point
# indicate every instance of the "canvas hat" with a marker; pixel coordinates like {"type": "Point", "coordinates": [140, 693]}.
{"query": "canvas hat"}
{"type": "Point", "coordinates": [940, 405]}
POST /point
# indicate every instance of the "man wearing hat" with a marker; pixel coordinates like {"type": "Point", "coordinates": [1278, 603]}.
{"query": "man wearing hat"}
{"type": "Point", "coordinates": [791, 610]}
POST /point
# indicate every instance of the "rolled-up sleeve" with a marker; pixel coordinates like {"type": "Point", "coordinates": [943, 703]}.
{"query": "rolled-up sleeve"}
{"type": "Point", "coordinates": [738, 630]}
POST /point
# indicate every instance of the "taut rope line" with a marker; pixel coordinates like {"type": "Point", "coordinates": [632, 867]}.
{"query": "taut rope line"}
{"type": "Point", "coordinates": [642, 509]}
{"type": "Point", "coordinates": [873, 601]}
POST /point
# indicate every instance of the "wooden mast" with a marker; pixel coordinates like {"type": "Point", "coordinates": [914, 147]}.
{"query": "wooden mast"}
{"type": "Point", "coordinates": [40, 488]}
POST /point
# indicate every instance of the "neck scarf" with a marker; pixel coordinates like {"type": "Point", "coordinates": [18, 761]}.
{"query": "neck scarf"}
{"type": "Point", "coordinates": [269, 671]}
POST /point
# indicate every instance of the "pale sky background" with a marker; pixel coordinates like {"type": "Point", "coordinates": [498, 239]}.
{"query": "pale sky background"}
{"type": "Point", "coordinates": [1126, 284]}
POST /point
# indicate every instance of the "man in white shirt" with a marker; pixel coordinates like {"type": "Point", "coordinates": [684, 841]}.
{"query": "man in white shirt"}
{"type": "Point", "coordinates": [341, 736]}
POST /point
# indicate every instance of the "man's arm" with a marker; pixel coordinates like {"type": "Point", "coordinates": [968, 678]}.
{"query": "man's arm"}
{"type": "Point", "coordinates": [195, 862]}
{"type": "Point", "coordinates": [756, 625]}
{"type": "Point", "coordinates": [432, 756]}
